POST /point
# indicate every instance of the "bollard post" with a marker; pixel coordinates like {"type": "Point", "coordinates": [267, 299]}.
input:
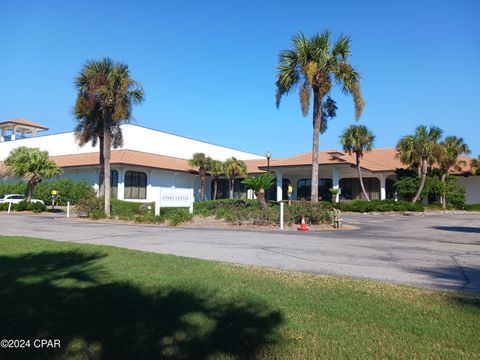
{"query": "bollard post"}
{"type": "Point", "coordinates": [9, 206]}
{"type": "Point", "coordinates": [68, 209]}
{"type": "Point", "coordinates": [281, 215]}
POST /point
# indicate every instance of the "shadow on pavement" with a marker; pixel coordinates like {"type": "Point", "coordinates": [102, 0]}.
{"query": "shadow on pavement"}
{"type": "Point", "coordinates": [69, 296]}
{"type": "Point", "coordinates": [465, 229]}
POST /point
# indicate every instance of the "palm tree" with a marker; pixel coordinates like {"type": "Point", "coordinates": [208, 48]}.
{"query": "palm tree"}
{"type": "Point", "coordinates": [31, 164]}
{"type": "Point", "coordinates": [316, 65]}
{"type": "Point", "coordinates": [233, 168]}
{"type": "Point", "coordinates": [475, 166]}
{"type": "Point", "coordinates": [409, 154]}
{"type": "Point", "coordinates": [107, 88]}
{"type": "Point", "coordinates": [215, 169]}
{"type": "Point", "coordinates": [200, 160]}
{"type": "Point", "coordinates": [90, 129]}
{"type": "Point", "coordinates": [447, 158]}
{"type": "Point", "coordinates": [259, 184]}
{"type": "Point", "coordinates": [423, 147]}
{"type": "Point", "coordinates": [358, 139]}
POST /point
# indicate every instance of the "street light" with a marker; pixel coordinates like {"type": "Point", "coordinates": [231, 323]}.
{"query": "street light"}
{"type": "Point", "coordinates": [268, 156]}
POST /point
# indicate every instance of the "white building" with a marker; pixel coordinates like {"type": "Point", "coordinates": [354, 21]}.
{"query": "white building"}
{"type": "Point", "coordinates": [150, 159]}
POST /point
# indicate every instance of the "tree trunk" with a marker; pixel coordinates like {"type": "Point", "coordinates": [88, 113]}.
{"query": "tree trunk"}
{"type": "Point", "coordinates": [107, 142]}
{"type": "Point", "coordinates": [30, 187]}
{"type": "Point", "coordinates": [361, 178]}
{"type": "Point", "coordinates": [101, 173]}
{"type": "Point", "coordinates": [317, 119]}
{"type": "Point", "coordinates": [202, 184]}
{"type": "Point", "coordinates": [232, 185]}
{"type": "Point", "coordinates": [215, 189]}
{"type": "Point", "coordinates": [422, 183]}
{"type": "Point", "coordinates": [444, 192]}
{"type": "Point", "coordinates": [260, 194]}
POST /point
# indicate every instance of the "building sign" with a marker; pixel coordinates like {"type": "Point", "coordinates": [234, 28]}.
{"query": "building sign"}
{"type": "Point", "coordinates": [174, 197]}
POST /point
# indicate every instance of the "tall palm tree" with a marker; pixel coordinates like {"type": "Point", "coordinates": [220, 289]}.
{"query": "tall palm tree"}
{"type": "Point", "coordinates": [316, 65]}
{"type": "Point", "coordinates": [447, 158]}
{"type": "Point", "coordinates": [423, 147]}
{"type": "Point", "coordinates": [475, 166]}
{"type": "Point", "coordinates": [200, 160]}
{"type": "Point", "coordinates": [233, 168]}
{"type": "Point", "coordinates": [358, 139]}
{"type": "Point", "coordinates": [31, 164]}
{"type": "Point", "coordinates": [215, 169]}
{"type": "Point", "coordinates": [90, 129]}
{"type": "Point", "coordinates": [107, 86]}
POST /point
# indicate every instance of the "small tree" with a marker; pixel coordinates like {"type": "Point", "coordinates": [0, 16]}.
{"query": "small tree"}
{"type": "Point", "coordinates": [447, 158]}
{"type": "Point", "coordinates": [475, 166]}
{"type": "Point", "coordinates": [215, 169]}
{"type": "Point", "coordinates": [259, 184]}
{"type": "Point", "coordinates": [358, 139]}
{"type": "Point", "coordinates": [200, 160]}
{"type": "Point", "coordinates": [233, 168]}
{"type": "Point", "coordinates": [31, 164]}
{"type": "Point", "coordinates": [421, 147]}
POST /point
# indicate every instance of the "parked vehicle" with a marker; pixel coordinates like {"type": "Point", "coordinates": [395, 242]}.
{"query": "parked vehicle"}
{"type": "Point", "coordinates": [15, 199]}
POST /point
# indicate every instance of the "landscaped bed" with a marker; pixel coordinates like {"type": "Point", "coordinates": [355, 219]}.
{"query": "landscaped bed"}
{"type": "Point", "coordinates": [111, 303]}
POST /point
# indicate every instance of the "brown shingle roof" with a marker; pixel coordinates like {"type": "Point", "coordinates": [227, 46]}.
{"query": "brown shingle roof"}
{"type": "Point", "coordinates": [24, 122]}
{"type": "Point", "coordinates": [130, 157]}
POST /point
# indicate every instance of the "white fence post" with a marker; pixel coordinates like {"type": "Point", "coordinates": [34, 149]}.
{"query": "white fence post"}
{"type": "Point", "coordinates": [281, 215]}
{"type": "Point", "coordinates": [68, 209]}
{"type": "Point", "coordinates": [9, 206]}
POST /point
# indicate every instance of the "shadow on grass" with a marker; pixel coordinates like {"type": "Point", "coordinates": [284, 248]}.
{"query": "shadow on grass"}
{"type": "Point", "coordinates": [66, 296]}
{"type": "Point", "coordinates": [465, 229]}
{"type": "Point", "coordinates": [465, 279]}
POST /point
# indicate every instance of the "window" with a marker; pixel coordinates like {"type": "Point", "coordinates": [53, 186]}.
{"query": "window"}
{"type": "Point", "coordinates": [304, 187]}
{"type": "Point", "coordinates": [135, 185]}
{"type": "Point", "coordinates": [351, 189]}
{"type": "Point", "coordinates": [114, 184]}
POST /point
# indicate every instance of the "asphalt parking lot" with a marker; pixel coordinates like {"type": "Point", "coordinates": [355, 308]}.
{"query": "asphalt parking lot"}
{"type": "Point", "coordinates": [440, 251]}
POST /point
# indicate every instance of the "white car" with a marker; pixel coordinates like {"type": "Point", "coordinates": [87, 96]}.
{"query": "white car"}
{"type": "Point", "coordinates": [15, 199]}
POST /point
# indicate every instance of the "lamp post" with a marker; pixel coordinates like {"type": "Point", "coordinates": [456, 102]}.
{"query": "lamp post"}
{"type": "Point", "coordinates": [268, 155]}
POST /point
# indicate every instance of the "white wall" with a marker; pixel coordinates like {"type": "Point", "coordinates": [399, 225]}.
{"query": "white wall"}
{"type": "Point", "coordinates": [135, 138]}
{"type": "Point", "coordinates": [472, 188]}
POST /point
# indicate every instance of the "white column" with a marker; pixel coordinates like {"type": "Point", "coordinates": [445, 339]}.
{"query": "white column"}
{"type": "Point", "coordinates": [121, 183]}
{"type": "Point", "coordinates": [34, 132]}
{"type": "Point", "coordinates": [336, 182]}
{"type": "Point", "coordinates": [383, 192]}
{"type": "Point", "coordinates": [2, 135]}
{"type": "Point", "coordinates": [279, 185]}
{"type": "Point", "coordinates": [14, 133]}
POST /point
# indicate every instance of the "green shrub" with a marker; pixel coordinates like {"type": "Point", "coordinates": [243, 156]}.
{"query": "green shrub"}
{"type": "Point", "coordinates": [128, 210]}
{"type": "Point", "coordinates": [315, 213]}
{"type": "Point", "coordinates": [246, 211]}
{"type": "Point", "coordinates": [471, 207]}
{"type": "Point", "coordinates": [91, 206]}
{"type": "Point", "coordinates": [18, 187]}
{"type": "Point", "coordinates": [4, 207]}
{"type": "Point", "coordinates": [37, 207]}
{"type": "Point", "coordinates": [22, 206]}
{"type": "Point", "coordinates": [68, 190]}
{"type": "Point", "coordinates": [378, 206]}
{"type": "Point", "coordinates": [176, 216]}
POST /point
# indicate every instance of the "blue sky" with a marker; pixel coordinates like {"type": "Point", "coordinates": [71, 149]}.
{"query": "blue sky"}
{"type": "Point", "coordinates": [208, 68]}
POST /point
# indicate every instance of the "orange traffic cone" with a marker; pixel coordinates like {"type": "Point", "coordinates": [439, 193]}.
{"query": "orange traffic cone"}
{"type": "Point", "coordinates": [303, 225]}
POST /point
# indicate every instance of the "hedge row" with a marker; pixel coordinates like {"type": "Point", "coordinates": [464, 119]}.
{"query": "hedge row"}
{"type": "Point", "coordinates": [378, 206]}
{"type": "Point", "coordinates": [92, 207]}
{"type": "Point", "coordinates": [68, 190]}
{"type": "Point", "coordinates": [245, 211]}
{"type": "Point", "coordinates": [24, 206]}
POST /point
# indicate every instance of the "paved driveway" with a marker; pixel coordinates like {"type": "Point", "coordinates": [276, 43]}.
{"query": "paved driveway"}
{"type": "Point", "coordinates": [437, 251]}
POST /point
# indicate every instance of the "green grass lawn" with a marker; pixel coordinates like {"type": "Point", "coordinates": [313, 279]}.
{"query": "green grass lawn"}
{"type": "Point", "coordinates": [105, 302]}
